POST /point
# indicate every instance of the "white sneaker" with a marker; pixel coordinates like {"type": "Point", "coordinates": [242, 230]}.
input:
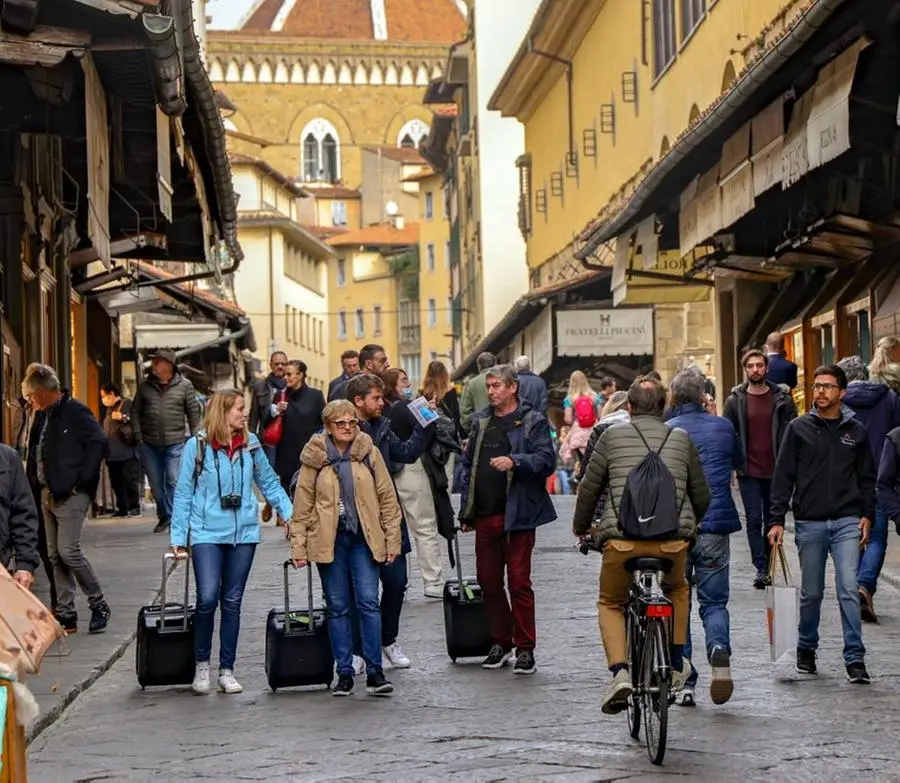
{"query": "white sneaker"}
{"type": "Point", "coordinates": [359, 665]}
{"type": "Point", "coordinates": [395, 657]}
{"type": "Point", "coordinates": [616, 698]}
{"type": "Point", "coordinates": [227, 683]}
{"type": "Point", "coordinates": [201, 678]}
{"type": "Point", "coordinates": [680, 678]}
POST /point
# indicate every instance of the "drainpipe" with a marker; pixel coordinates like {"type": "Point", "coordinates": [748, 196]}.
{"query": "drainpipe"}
{"type": "Point", "coordinates": [269, 347]}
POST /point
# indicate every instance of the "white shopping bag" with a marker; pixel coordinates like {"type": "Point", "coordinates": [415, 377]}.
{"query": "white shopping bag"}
{"type": "Point", "coordinates": [782, 612]}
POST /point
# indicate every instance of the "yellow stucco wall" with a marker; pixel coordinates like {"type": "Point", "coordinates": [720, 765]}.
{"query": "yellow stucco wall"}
{"type": "Point", "coordinates": [434, 283]}
{"type": "Point", "coordinates": [610, 47]}
{"type": "Point", "coordinates": [368, 284]}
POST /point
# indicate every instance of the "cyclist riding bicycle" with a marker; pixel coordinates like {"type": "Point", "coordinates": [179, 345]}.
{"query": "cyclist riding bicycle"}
{"type": "Point", "coordinates": [657, 492]}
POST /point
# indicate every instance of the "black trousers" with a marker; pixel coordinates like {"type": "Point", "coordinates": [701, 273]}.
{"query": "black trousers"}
{"type": "Point", "coordinates": [125, 477]}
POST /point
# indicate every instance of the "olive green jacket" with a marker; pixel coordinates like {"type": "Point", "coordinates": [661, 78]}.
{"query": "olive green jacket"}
{"type": "Point", "coordinates": [619, 450]}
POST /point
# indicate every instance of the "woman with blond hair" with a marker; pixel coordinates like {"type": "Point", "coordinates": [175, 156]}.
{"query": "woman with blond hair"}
{"type": "Point", "coordinates": [347, 520]}
{"type": "Point", "coordinates": [215, 514]}
{"type": "Point", "coordinates": [885, 366]}
{"type": "Point", "coordinates": [580, 409]}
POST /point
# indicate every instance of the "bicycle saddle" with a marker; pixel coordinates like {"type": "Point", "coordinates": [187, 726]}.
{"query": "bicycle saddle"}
{"type": "Point", "coordinates": [648, 564]}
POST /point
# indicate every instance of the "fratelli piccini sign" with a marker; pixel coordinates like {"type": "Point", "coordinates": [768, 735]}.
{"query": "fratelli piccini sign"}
{"type": "Point", "coordinates": [618, 332]}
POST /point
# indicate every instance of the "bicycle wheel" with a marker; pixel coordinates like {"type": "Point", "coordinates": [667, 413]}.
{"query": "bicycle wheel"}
{"type": "Point", "coordinates": [634, 701]}
{"type": "Point", "coordinates": [655, 693]}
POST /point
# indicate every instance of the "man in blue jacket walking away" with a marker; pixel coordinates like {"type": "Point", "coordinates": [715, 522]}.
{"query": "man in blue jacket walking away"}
{"type": "Point", "coordinates": [505, 467]}
{"type": "Point", "coordinates": [721, 453]}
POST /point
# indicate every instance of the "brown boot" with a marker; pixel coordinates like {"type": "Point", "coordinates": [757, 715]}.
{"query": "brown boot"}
{"type": "Point", "coordinates": [866, 606]}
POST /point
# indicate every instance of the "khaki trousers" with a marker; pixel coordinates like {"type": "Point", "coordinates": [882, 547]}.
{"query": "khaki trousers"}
{"type": "Point", "coordinates": [615, 582]}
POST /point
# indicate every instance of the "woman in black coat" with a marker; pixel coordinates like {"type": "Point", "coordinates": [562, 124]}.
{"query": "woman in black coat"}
{"type": "Point", "coordinates": [437, 388]}
{"type": "Point", "coordinates": [301, 415]}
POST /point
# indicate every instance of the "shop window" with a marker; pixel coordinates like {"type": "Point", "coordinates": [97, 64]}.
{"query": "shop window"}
{"type": "Point", "coordinates": [864, 330]}
{"type": "Point", "coordinates": [798, 358]}
{"type": "Point", "coordinates": [664, 37]}
{"type": "Point", "coordinates": [827, 344]}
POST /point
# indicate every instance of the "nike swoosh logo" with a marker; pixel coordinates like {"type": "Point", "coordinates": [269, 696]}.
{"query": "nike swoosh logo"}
{"type": "Point", "coordinates": [642, 520]}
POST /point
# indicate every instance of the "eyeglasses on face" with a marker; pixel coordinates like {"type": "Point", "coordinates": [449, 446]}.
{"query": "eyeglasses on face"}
{"type": "Point", "coordinates": [345, 424]}
{"type": "Point", "coordinates": [825, 387]}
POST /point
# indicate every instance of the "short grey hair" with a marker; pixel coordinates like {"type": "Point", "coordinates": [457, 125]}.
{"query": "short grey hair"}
{"type": "Point", "coordinates": [522, 364]}
{"type": "Point", "coordinates": [688, 387]}
{"type": "Point", "coordinates": [485, 360]}
{"type": "Point", "coordinates": [40, 376]}
{"type": "Point", "coordinates": [505, 373]}
{"type": "Point", "coordinates": [854, 368]}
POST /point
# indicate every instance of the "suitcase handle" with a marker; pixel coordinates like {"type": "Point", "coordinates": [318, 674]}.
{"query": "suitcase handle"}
{"type": "Point", "coordinates": [288, 564]}
{"type": "Point", "coordinates": [162, 593]}
{"type": "Point", "coordinates": [463, 593]}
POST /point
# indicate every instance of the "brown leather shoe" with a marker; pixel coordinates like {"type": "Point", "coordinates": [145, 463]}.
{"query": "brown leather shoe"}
{"type": "Point", "coordinates": [866, 606]}
{"type": "Point", "coordinates": [267, 513]}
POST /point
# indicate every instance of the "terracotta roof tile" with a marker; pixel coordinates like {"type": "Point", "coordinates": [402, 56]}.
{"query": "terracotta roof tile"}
{"type": "Point", "coordinates": [210, 299]}
{"type": "Point", "coordinates": [420, 175]}
{"type": "Point", "coordinates": [450, 110]}
{"type": "Point", "coordinates": [324, 232]}
{"type": "Point", "coordinates": [383, 234]}
{"type": "Point", "coordinates": [332, 191]}
{"type": "Point", "coordinates": [409, 21]}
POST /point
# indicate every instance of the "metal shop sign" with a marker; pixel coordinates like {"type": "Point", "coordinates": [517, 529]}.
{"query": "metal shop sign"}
{"type": "Point", "coordinates": [619, 332]}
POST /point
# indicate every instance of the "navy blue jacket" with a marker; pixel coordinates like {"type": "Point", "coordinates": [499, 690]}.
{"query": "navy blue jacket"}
{"type": "Point", "coordinates": [721, 452]}
{"type": "Point", "coordinates": [533, 391]}
{"type": "Point", "coordinates": [781, 370]}
{"type": "Point", "coordinates": [876, 406]}
{"type": "Point", "coordinates": [528, 505]}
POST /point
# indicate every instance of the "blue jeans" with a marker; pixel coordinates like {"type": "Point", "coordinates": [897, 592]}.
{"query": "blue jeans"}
{"type": "Point", "coordinates": [161, 464]}
{"type": "Point", "coordinates": [221, 572]}
{"type": "Point", "coordinates": [755, 495]}
{"type": "Point", "coordinates": [708, 567]}
{"type": "Point", "coordinates": [872, 558]}
{"type": "Point", "coordinates": [394, 578]}
{"type": "Point", "coordinates": [351, 580]}
{"type": "Point", "coordinates": [815, 540]}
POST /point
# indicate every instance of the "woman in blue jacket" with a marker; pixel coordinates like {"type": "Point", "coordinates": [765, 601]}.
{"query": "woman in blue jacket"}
{"type": "Point", "coordinates": [216, 514]}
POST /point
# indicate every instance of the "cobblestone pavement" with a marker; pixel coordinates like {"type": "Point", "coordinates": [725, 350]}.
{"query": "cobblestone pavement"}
{"type": "Point", "coordinates": [457, 722]}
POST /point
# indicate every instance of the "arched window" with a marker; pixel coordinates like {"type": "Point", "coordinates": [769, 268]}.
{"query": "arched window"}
{"type": "Point", "coordinates": [412, 134]}
{"type": "Point", "coordinates": [321, 152]}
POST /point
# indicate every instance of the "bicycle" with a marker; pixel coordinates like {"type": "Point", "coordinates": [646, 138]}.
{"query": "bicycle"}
{"type": "Point", "coordinates": [648, 629]}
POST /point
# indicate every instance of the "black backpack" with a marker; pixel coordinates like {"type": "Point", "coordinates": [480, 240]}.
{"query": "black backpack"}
{"type": "Point", "coordinates": [649, 507]}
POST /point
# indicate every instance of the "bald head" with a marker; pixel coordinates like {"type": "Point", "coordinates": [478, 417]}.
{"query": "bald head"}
{"type": "Point", "coordinates": [775, 342]}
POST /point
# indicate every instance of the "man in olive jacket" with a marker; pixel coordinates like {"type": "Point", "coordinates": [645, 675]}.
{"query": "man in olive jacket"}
{"type": "Point", "coordinates": [620, 449]}
{"type": "Point", "coordinates": [165, 408]}
{"type": "Point", "coordinates": [475, 395]}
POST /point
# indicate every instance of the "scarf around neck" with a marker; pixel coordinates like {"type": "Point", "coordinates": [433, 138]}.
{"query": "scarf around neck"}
{"type": "Point", "coordinates": [341, 463]}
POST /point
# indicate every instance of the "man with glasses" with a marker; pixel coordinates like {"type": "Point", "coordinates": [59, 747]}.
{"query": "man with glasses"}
{"type": "Point", "coordinates": [826, 466]}
{"type": "Point", "coordinates": [263, 408]}
{"type": "Point", "coordinates": [373, 360]}
{"type": "Point", "coordinates": [760, 411]}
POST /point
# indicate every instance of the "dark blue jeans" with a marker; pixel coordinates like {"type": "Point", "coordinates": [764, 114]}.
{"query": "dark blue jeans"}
{"type": "Point", "coordinates": [756, 497]}
{"type": "Point", "coordinates": [394, 578]}
{"type": "Point", "coordinates": [161, 464]}
{"type": "Point", "coordinates": [221, 572]}
{"type": "Point", "coordinates": [872, 558]}
{"type": "Point", "coordinates": [351, 586]}
{"type": "Point", "coordinates": [708, 567]}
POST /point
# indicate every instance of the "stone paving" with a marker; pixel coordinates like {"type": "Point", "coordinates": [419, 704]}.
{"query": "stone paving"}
{"type": "Point", "coordinates": [458, 722]}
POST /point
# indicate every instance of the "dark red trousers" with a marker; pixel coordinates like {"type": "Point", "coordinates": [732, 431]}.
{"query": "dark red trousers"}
{"type": "Point", "coordinates": [497, 551]}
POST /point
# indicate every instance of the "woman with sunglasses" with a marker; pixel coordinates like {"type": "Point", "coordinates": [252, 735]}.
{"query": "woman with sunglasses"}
{"type": "Point", "coordinates": [347, 520]}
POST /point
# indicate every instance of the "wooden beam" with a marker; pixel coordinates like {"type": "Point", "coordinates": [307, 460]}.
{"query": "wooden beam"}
{"type": "Point", "coordinates": [46, 46]}
{"type": "Point", "coordinates": [132, 10]}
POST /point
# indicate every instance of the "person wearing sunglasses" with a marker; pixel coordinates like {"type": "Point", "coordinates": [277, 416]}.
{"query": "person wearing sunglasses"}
{"type": "Point", "coordinates": [826, 475]}
{"type": "Point", "coordinates": [347, 520]}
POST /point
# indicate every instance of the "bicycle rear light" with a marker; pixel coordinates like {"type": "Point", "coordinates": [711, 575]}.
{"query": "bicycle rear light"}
{"type": "Point", "coordinates": [659, 610]}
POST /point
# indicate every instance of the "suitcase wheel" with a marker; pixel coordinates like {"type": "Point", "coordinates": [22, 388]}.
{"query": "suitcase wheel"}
{"type": "Point", "coordinates": [274, 690]}
{"type": "Point", "coordinates": [453, 660]}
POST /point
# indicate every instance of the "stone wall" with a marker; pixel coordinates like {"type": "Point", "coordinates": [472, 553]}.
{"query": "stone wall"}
{"type": "Point", "coordinates": [685, 334]}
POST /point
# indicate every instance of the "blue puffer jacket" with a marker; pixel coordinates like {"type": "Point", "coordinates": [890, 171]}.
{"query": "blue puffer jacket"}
{"type": "Point", "coordinates": [720, 453]}
{"type": "Point", "coordinates": [199, 509]}
{"type": "Point", "coordinates": [876, 406]}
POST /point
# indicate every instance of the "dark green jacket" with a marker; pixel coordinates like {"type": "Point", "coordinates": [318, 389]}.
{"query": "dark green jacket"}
{"type": "Point", "coordinates": [159, 414]}
{"type": "Point", "coordinates": [619, 450]}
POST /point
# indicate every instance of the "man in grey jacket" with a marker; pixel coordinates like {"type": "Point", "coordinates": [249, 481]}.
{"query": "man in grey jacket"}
{"type": "Point", "coordinates": [475, 396]}
{"type": "Point", "coordinates": [165, 408]}
{"type": "Point", "coordinates": [620, 450]}
{"type": "Point", "coordinates": [18, 519]}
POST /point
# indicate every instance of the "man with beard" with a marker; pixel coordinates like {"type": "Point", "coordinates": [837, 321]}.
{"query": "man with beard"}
{"type": "Point", "coordinates": [264, 409]}
{"type": "Point", "coordinates": [826, 474]}
{"type": "Point", "coordinates": [760, 412]}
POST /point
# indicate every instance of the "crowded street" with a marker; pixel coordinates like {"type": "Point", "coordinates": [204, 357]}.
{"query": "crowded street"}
{"type": "Point", "coordinates": [459, 722]}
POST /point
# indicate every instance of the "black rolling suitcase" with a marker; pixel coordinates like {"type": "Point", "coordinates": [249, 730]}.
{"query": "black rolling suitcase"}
{"type": "Point", "coordinates": [164, 654]}
{"type": "Point", "coordinates": [298, 650]}
{"type": "Point", "coordinates": [465, 617]}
